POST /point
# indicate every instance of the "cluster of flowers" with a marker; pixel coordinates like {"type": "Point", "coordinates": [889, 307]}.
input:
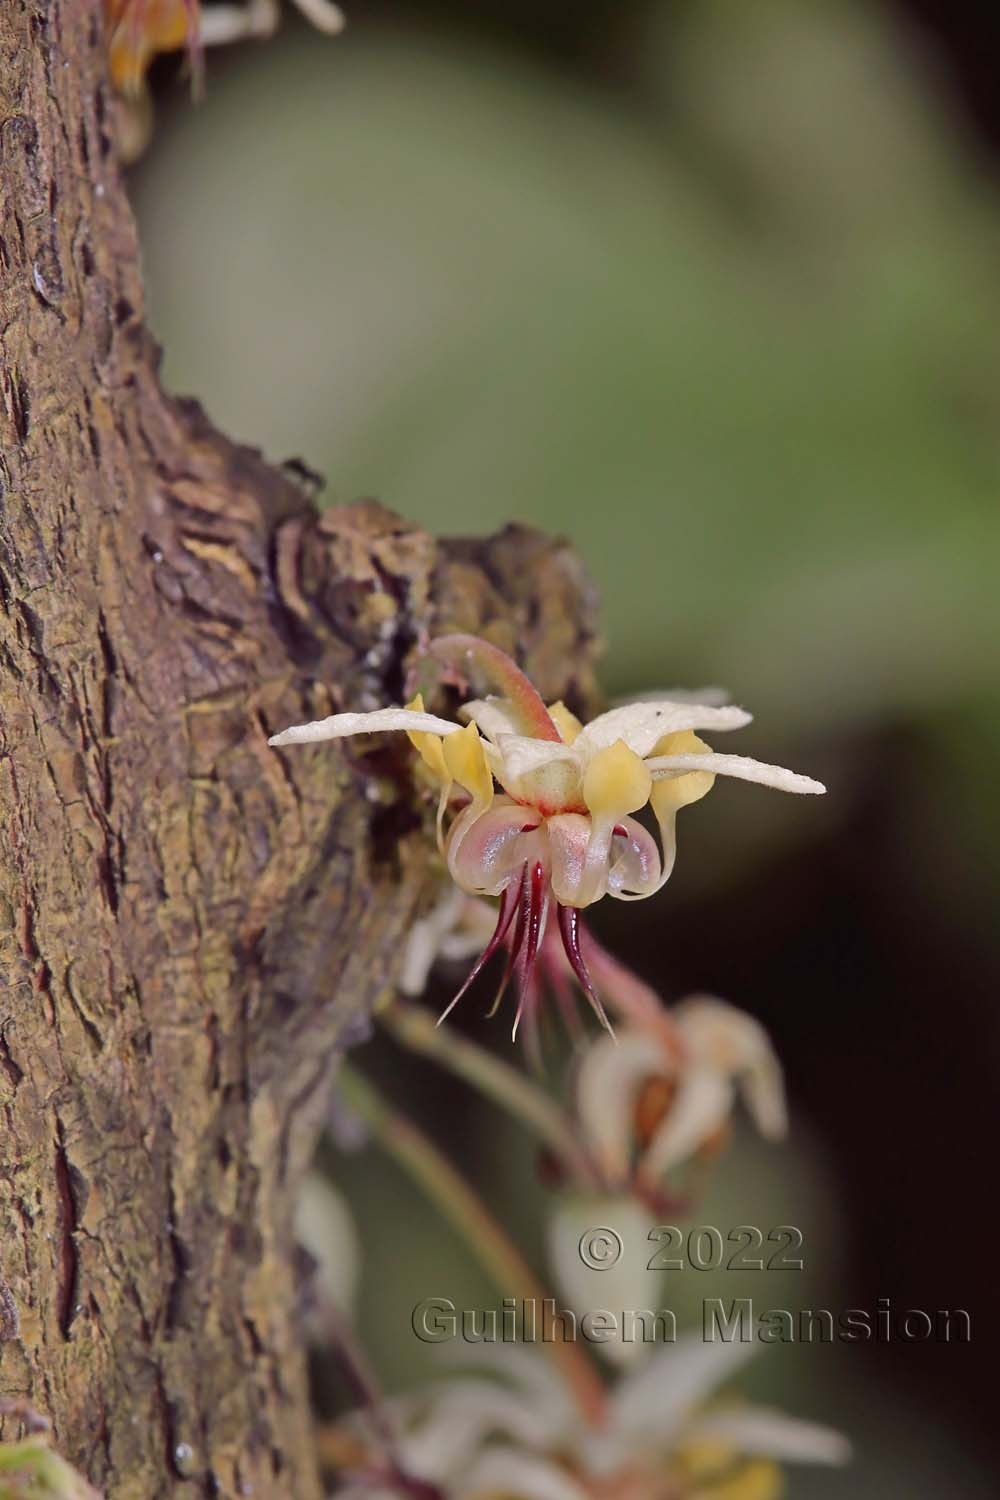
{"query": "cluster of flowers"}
{"type": "Point", "coordinates": [137, 31]}
{"type": "Point", "coordinates": [537, 813]}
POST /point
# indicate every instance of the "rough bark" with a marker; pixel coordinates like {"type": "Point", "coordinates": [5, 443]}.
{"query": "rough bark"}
{"type": "Point", "coordinates": [188, 920]}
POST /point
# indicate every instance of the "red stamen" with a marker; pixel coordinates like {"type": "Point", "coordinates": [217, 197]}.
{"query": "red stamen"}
{"type": "Point", "coordinates": [537, 904]}
{"type": "Point", "coordinates": [569, 931]}
{"type": "Point", "coordinates": [508, 906]}
{"type": "Point", "coordinates": [565, 997]}
{"type": "Point", "coordinates": [531, 1033]}
{"type": "Point", "coordinates": [524, 893]}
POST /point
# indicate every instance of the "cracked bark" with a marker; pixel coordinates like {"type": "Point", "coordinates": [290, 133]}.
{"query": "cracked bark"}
{"type": "Point", "coordinates": [189, 922]}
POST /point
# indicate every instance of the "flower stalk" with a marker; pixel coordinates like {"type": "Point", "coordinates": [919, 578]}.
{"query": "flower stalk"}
{"type": "Point", "coordinates": [497, 1080]}
{"type": "Point", "coordinates": [502, 1260]}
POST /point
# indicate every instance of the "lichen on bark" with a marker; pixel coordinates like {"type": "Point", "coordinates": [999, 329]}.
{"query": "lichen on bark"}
{"type": "Point", "coordinates": [188, 920]}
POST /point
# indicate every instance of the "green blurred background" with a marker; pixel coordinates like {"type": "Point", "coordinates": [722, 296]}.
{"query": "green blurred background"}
{"type": "Point", "coordinates": [713, 289]}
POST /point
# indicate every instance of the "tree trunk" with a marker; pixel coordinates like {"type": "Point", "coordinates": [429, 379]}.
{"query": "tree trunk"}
{"type": "Point", "coordinates": [189, 921]}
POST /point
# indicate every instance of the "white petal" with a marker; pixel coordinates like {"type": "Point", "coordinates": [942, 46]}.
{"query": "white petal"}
{"type": "Point", "coordinates": [610, 1076]}
{"type": "Point", "coordinates": [640, 725]}
{"type": "Point", "coordinates": [427, 939]}
{"type": "Point", "coordinates": [651, 1405]}
{"type": "Point", "coordinates": [740, 766]}
{"type": "Point", "coordinates": [541, 773]}
{"type": "Point", "coordinates": [472, 931]}
{"type": "Point", "coordinates": [703, 1103]}
{"type": "Point", "coordinates": [615, 1273]}
{"type": "Point", "coordinates": [508, 1471]}
{"type": "Point", "coordinates": [494, 716]}
{"type": "Point", "coordinates": [521, 755]}
{"type": "Point", "coordinates": [529, 1373]}
{"type": "Point", "coordinates": [720, 1036]}
{"type": "Point", "coordinates": [324, 1227]}
{"type": "Point", "coordinates": [220, 24]}
{"type": "Point", "coordinates": [323, 14]}
{"type": "Point", "coordinates": [338, 726]}
{"type": "Point", "coordinates": [770, 1433]}
{"type": "Point", "coordinates": [463, 1414]}
{"type": "Point", "coordinates": [763, 1089]}
{"type": "Point", "coordinates": [716, 696]}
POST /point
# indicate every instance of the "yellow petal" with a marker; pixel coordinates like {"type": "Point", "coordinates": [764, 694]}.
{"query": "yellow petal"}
{"type": "Point", "coordinates": [705, 1458]}
{"type": "Point", "coordinates": [616, 782]}
{"type": "Point", "coordinates": [679, 791]}
{"type": "Point", "coordinates": [427, 746]}
{"type": "Point", "coordinates": [567, 723]}
{"type": "Point", "coordinates": [759, 1479]}
{"type": "Point", "coordinates": [465, 762]}
{"type": "Point", "coordinates": [138, 32]}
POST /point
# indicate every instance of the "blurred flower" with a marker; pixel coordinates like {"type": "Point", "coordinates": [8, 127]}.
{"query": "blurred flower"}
{"type": "Point", "coordinates": [561, 833]}
{"type": "Point", "coordinates": [512, 1430]}
{"type": "Point", "coordinates": [457, 927]}
{"type": "Point", "coordinates": [326, 1233]}
{"type": "Point", "coordinates": [137, 30]}
{"type": "Point", "coordinates": [600, 1253]}
{"type": "Point", "coordinates": [645, 1107]}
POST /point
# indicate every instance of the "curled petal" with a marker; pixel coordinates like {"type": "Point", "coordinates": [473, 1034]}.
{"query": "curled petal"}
{"type": "Point", "coordinates": [740, 766]}
{"type": "Point", "coordinates": [640, 725]}
{"type": "Point", "coordinates": [702, 1104]}
{"type": "Point", "coordinates": [634, 869]}
{"type": "Point", "coordinates": [597, 864]}
{"type": "Point", "coordinates": [720, 1036]}
{"type": "Point", "coordinates": [608, 1083]}
{"type": "Point", "coordinates": [569, 838]}
{"type": "Point", "coordinates": [340, 726]}
{"type": "Point", "coordinates": [493, 847]}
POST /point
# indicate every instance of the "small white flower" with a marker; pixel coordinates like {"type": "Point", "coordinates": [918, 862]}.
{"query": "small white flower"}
{"type": "Point", "coordinates": [137, 30]}
{"type": "Point", "coordinates": [615, 1271]}
{"type": "Point", "coordinates": [325, 1229]}
{"type": "Point", "coordinates": [509, 1428]}
{"type": "Point", "coordinates": [560, 833]}
{"type": "Point", "coordinates": [720, 1054]}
